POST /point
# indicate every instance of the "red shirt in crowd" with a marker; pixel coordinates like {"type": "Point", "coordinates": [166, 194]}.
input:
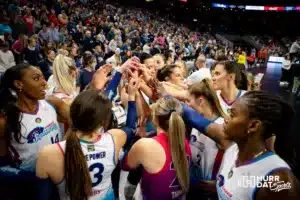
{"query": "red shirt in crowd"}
{"type": "Point", "coordinates": [53, 19]}
{"type": "Point", "coordinates": [29, 21]}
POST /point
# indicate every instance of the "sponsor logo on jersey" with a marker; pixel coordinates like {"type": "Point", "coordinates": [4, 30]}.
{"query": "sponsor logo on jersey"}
{"type": "Point", "coordinates": [91, 147]}
{"type": "Point", "coordinates": [39, 132]}
{"type": "Point", "coordinates": [220, 180]}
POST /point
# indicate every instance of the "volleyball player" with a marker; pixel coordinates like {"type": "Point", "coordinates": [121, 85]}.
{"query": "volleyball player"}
{"type": "Point", "coordinates": [85, 161]}
{"type": "Point", "coordinates": [28, 122]}
{"type": "Point", "coordinates": [206, 154]}
{"type": "Point", "coordinates": [226, 78]}
{"type": "Point", "coordinates": [253, 117]}
{"type": "Point", "coordinates": [64, 76]}
{"type": "Point", "coordinates": [165, 158]}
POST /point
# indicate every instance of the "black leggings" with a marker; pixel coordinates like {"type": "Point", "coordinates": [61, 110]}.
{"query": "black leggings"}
{"type": "Point", "coordinates": [115, 179]}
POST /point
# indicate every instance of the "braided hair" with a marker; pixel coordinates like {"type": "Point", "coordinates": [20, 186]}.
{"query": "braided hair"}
{"type": "Point", "coordinates": [276, 116]}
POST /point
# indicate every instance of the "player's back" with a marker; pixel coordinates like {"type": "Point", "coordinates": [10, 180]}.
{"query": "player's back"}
{"type": "Point", "coordinates": [164, 184]}
{"type": "Point", "coordinates": [100, 158]}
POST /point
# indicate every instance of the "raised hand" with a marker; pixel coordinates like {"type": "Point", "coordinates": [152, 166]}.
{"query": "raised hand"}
{"type": "Point", "coordinates": [145, 71]}
{"type": "Point", "coordinates": [158, 87]}
{"type": "Point", "coordinates": [132, 64]}
{"type": "Point", "coordinates": [100, 77]}
{"type": "Point", "coordinates": [133, 86]}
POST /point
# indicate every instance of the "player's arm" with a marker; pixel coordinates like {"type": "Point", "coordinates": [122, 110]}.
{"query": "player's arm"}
{"type": "Point", "coordinates": [44, 183]}
{"type": "Point", "coordinates": [126, 134]}
{"type": "Point", "coordinates": [205, 126]}
{"type": "Point", "coordinates": [62, 109]}
{"type": "Point", "coordinates": [287, 187]}
{"type": "Point", "coordinates": [134, 157]}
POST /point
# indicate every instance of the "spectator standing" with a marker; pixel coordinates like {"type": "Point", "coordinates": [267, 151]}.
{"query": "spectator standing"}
{"type": "Point", "coordinates": [54, 33]}
{"type": "Point", "coordinates": [18, 27]}
{"type": "Point", "coordinates": [86, 75]}
{"type": "Point", "coordinates": [46, 64]}
{"type": "Point", "coordinates": [88, 42]}
{"type": "Point", "coordinates": [44, 35]}
{"type": "Point", "coordinates": [31, 53]}
{"type": "Point", "coordinates": [29, 22]}
{"type": "Point", "coordinates": [7, 59]}
{"type": "Point", "coordinates": [295, 49]}
{"type": "Point", "coordinates": [18, 48]}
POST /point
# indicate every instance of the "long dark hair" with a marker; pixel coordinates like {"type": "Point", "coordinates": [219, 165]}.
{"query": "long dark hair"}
{"type": "Point", "coordinates": [277, 117]}
{"type": "Point", "coordinates": [8, 100]}
{"type": "Point", "coordinates": [165, 73]}
{"type": "Point", "coordinates": [89, 111]}
{"type": "Point", "coordinates": [234, 68]}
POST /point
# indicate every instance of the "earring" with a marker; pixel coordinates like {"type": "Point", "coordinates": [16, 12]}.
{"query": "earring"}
{"type": "Point", "coordinates": [248, 132]}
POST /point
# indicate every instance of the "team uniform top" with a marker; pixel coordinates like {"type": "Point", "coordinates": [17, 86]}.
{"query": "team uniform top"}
{"type": "Point", "coordinates": [236, 183]}
{"type": "Point", "coordinates": [100, 158]}
{"type": "Point", "coordinates": [206, 156]}
{"type": "Point", "coordinates": [61, 95]}
{"type": "Point", "coordinates": [226, 106]}
{"type": "Point", "coordinates": [64, 126]}
{"type": "Point", "coordinates": [38, 130]}
{"type": "Point", "coordinates": [164, 184]}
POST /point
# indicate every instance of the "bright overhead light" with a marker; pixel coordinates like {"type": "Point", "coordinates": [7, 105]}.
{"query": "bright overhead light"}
{"type": "Point", "coordinates": [195, 20]}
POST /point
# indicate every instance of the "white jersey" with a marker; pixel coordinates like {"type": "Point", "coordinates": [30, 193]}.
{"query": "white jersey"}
{"type": "Point", "coordinates": [226, 106]}
{"type": "Point", "coordinates": [239, 183]}
{"type": "Point", "coordinates": [100, 158]}
{"type": "Point", "coordinates": [38, 130]}
{"type": "Point", "coordinates": [206, 157]}
{"type": "Point", "coordinates": [61, 95]}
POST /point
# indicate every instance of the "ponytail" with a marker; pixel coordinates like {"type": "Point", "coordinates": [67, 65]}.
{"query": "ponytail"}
{"type": "Point", "coordinates": [176, 138]}
{"type": "Point", "coordinates": [242, 80]}
{"type": "Point", "coordinates": [284, 144]}
{"type": "Point", "coordinates": [78, 180]}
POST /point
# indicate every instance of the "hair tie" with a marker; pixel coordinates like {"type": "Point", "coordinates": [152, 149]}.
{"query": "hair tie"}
{"type": "Point", "coordinates": [173, 110]}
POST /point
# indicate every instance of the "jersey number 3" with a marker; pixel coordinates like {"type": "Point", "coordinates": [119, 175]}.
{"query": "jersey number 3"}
{"type": "Point", "coordinates": [96, 171]}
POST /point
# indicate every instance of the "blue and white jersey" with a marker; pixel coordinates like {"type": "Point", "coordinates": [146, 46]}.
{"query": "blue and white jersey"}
{"type": "Point", "coordinates": [100, 158]}
{"type": "Point", "coordinates": [240, 183]}
{"type": "Point", "coordinates": [206, 156]}
{"type": "Point", "coordinates": [226, 106]}
{"type": "Point", "coordinates": [38, 130]}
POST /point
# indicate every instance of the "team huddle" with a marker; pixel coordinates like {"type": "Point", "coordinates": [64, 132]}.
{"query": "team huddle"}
{"type": "Point", "coordinates": [208, 136]}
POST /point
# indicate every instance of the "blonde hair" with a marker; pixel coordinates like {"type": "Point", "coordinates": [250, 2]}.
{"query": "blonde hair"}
{"type": "Point", "coordinates": [63, 67]}
{"type": "Point", "coordinates": [205, 89]}
{"type": "Point", "coordinates": [167, 113]}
